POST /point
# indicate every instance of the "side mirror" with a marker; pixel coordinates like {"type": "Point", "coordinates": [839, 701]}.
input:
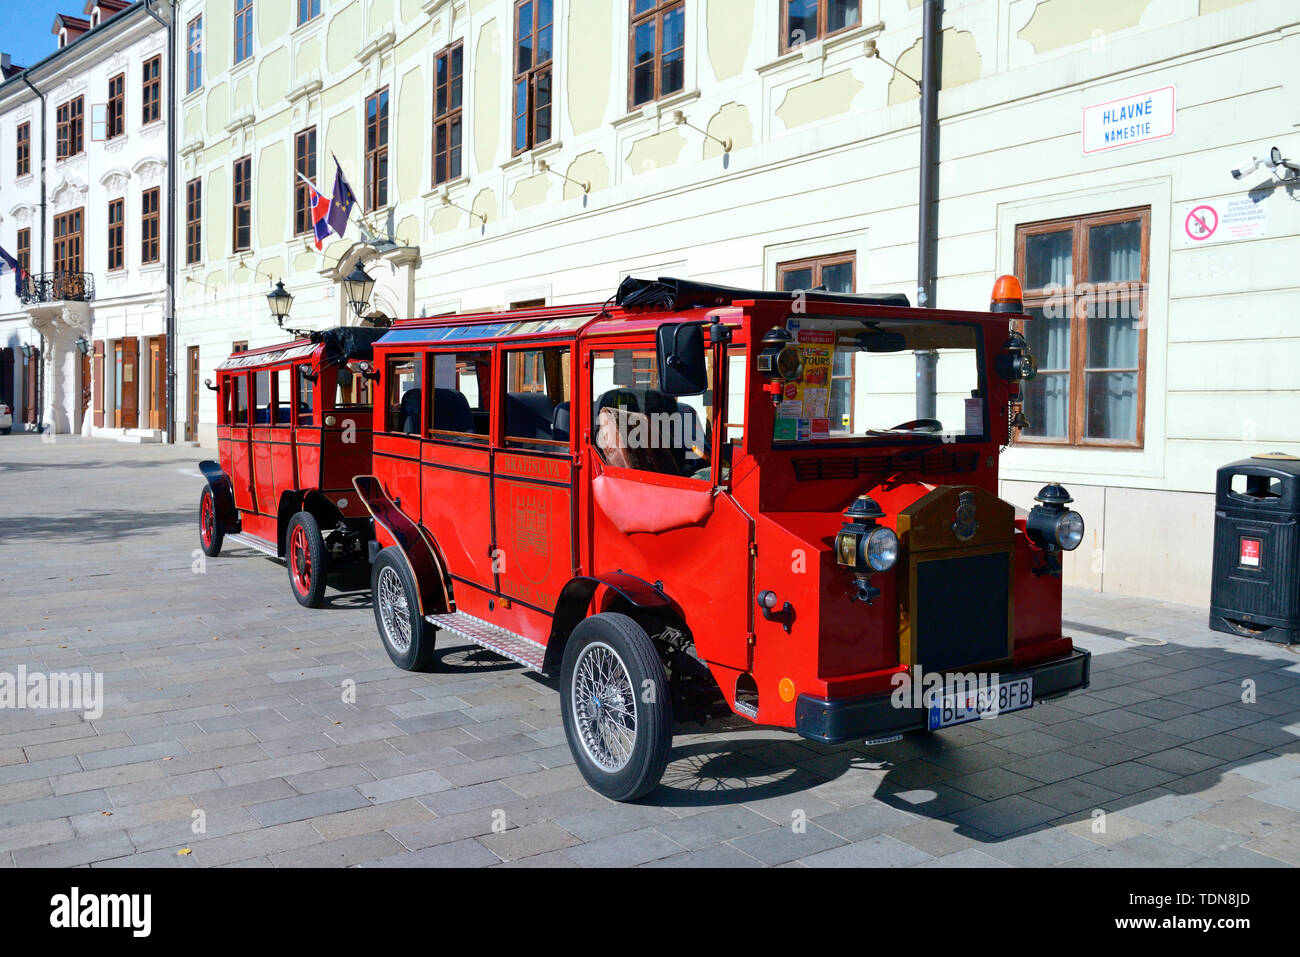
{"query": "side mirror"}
{"type": "Point", "coordinates": [680, 350]}
{"type": "Point", "coordinates": [209, 385]}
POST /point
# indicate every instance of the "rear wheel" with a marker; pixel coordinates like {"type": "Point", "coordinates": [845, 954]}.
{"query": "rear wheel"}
{"type": "Point", "coordinates": [617, 714]}
{"type": "Point", "coordinates": [210, 533]}
{"type": "Point", "coordinates": [407, 637]}
{"type": "Point", "coordinates": [307, 558]}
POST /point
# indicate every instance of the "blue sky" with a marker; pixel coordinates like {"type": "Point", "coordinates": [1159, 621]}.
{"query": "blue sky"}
{"type": "Point", "coordinates": [26, 35]}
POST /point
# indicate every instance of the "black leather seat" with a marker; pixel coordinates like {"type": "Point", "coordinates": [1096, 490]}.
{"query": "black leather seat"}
{"type": "Point", "coordinates": [451, 412]}
{"type": "Point", "coordinates": [409, 412]}
{"type": "Point", "coordinates": [560, 422]}
{"type": "Point", "coordinates": [529, 415]}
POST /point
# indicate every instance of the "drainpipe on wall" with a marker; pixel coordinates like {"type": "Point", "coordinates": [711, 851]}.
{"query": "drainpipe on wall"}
{"type": "Point", "coordinates": [40, 366]}
{"type": "Point", "coordinates": [927, 203]}
{"type": "Point", "coordinates": [170, 320]}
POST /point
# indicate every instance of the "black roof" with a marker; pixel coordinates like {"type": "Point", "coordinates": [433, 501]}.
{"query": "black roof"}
{"type": "Point", "coordinates": [668, 293]}
{"type": "Point", "coordinates": [348, 342]}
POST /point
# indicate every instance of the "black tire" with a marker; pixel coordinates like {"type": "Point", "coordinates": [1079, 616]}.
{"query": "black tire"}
{"type": "Point", "coordinates": [647, 695]}
{"type": "Point", "coordinates": [6, 431]}
{"type": "Point", "coordinates": [307, 558]}
{"type": "Point", "coordinates": [210, 533]}
{"type": "Point", "coordinates": [392, 590]}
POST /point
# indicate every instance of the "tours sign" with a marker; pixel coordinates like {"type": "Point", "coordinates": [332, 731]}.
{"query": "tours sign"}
{"type": "Point", "coordinates": [1129, 120]}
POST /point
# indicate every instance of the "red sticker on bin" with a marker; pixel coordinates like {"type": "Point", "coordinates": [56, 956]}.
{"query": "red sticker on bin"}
{"type": "Point", "coordinates": [1250, 550]}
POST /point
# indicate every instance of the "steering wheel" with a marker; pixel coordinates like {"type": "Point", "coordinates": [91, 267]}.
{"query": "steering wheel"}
{"type": "Point", "coordinates": [919, 425]}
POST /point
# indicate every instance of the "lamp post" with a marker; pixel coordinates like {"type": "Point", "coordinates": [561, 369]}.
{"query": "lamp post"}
{"type": "Point", "coordinates": [280, 301]}
{"type": "Point", "coordinates": [358, 286]}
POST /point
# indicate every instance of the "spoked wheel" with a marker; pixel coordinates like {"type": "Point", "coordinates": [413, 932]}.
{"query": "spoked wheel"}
{"type": "Point", "coordinates": [617, 715]}
{"type": "Point", "coordinates": [210, 533]}
{"type": "Point", "coordinates": [307, 559]}
{"type": "Point", "coordinates": [407, 638]}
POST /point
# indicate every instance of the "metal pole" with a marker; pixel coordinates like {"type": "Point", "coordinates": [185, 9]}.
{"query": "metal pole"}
{"type": "Point", "coordinates": [927, 239]}
{"type": "Point", "coordinates": [172, 119]}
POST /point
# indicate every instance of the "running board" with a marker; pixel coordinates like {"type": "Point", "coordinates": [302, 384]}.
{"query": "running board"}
{"type": "Point", "coordinates": [493, 637]}
{"type": "Point", "coordinates": [248, 541]}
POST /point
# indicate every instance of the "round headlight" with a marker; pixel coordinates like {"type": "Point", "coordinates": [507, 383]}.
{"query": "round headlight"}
{"type": "Point", "coordinates": [882, 549]}
{"type": "Point", "coordinates": [1069, 531]}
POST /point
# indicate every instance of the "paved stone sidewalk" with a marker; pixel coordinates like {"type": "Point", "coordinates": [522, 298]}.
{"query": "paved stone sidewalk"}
{"type": "Point", "coordinates": [226, 739]}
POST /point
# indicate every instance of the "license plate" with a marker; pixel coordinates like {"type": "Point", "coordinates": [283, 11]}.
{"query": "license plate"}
{"type": "Point", "coordinates": [1002, 698]}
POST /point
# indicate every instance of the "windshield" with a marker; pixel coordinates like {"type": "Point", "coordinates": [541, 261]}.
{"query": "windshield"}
{"type": "Point", "coordinates": [878, 380]}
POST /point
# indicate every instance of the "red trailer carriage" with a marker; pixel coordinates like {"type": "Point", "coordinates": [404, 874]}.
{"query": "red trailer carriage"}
{"type": "Point", "coordinates": [294, 423]}
{"type": "Point", "coordinates": [677, 490]}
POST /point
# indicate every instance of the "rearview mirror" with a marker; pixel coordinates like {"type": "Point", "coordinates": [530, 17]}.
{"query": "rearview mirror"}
{"type": "Point", "coordinates": [680, 349]}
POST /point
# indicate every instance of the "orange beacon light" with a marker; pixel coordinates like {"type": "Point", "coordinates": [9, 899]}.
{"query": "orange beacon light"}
{"type": "Point", "coordinates": [1007, 295]}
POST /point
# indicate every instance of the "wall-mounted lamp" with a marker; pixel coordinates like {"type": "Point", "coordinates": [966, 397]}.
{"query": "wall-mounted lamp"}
{"type": "Point", "coordinates": [280, 301]}
{"type": "Point", "coordinates": [208, 384]}
{"type": "Point", "coordinates": [82, 345]}
{"type": "Point", "coordinates": [545, 167]}
{"type": "Point", "coordinates": [679, 119]}
{"type": "Point", "coordinates": [446, 201]}
{"type": "Point", "coordinates": [870, 50]}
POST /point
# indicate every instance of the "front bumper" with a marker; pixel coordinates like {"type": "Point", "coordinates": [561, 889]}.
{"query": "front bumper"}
{"type": "Point", "coordinates": [874, 716]}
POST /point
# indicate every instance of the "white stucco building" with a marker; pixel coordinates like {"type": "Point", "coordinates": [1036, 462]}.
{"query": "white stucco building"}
{"type": "Point", "coordinates": [522, 156]}
{"type": "Point", "coordinates": [92, 231]}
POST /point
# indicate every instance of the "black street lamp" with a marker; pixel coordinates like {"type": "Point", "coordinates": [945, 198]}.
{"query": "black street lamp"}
{"type": "Point", "coordinates": [281, 301]}
{"type": "Point", "coordinates": [358, 286]}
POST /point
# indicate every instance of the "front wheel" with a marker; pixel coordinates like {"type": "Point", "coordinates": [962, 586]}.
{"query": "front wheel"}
{"type": "Point", "coordinates": [407, 637]}
{"type": "Point", "coordinates": [617, 715]}
{"type": "Point", "coordinates": [307, 559]}
{"type": "Point", "coordinates": [210, 533]}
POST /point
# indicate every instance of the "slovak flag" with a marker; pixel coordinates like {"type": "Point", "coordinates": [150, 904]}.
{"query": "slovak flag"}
{"type": "Point", "coordinates": [19, 273]}
{"type": "Point", "coordinates": [320, 211]}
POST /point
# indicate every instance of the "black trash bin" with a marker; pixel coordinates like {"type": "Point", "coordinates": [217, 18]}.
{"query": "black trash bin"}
{"type": "Point", "coordinates": [1256, 586]}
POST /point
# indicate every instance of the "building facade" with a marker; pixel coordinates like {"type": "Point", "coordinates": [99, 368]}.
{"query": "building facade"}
{"type": "Point", "coordinates": [83, 135]}
{"type": "Point", "coordinates": [530, 150]}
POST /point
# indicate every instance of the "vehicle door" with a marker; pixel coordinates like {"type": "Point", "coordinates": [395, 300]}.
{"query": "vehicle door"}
{"type": "Point", "coordinates": [235, 398]}
{"type": "Point", "coordinates": [532, 476]}
{"type": "Point", "coordinates": [284, 465]}
{"type": "Point", "coordinates": [455, 474]}
{"type": "Point", "coordinates": [263, 433]}
{"type": "Point", "coordinates": [399, 423]}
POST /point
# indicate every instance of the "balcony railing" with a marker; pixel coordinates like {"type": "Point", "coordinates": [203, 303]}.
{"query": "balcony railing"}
{"type": "Point", "coordinates": [58, 286]}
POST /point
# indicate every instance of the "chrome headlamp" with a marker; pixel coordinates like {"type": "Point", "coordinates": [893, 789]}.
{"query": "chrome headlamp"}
{"type": "Point", "coordinates": [865, 547]}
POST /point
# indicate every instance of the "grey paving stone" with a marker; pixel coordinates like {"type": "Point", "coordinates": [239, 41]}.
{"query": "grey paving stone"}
{"type": "Point", "coordinates": [1006, 815]}
{"type": "Point", "coordinates": [879, 851]}
{"type": "Point", "coordinates": [623, 850]}
{"type": "Point", "coordinates": [781, 844]}
{"type": "Point", "coordinates": [307, 806]}
{"type": "Point", "coordinates": [463, 853]}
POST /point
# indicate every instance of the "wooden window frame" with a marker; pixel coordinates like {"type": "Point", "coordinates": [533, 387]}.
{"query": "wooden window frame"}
{"type": "Point", "coordinates": [304, 164]}
{"type": "Point", "coordinates": [23, 150]}
{"type": "Point", "coordinates": [1078, 372]}
{"type": "Point", "coordinates": [70, 128]}
{"type": "Point", "coordinates": [823, 14]}
{"type": "Point", "coordinates": [243, 31]}
{"type": "Point", "coordinates": [116, 235]}
{"type": "Point", "coordinates": [448, 116]}
{"type": "Point", "coordinates": [311, 8]}
{"type": "Point", "coordinates": [151, 91]}
{"type": "Point", "coordinates": [657, 13]}
{"type": "Point", "coordinates": [241, 203]}
{"type": "Point", "coordinates": [24, 252]}
{"type": "Point", "coordinates": [194, 54]}
{"type": "Point", "coordinates": [115, 115]}
{"type": "Point", "coordinates": [193, 221]}
{"type": "Point", "coordinates": [375, 190]}
{"type": "Point", "coordinates": [65, 256]}
{"type": "Point", "coordinates": [536, 71]}
{"type": "Point", "coordinates": [239, 345]}
{"type": "Point", "coordinates": [151, 226]}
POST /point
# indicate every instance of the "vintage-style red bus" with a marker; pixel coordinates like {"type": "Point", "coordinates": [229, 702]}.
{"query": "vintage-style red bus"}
{"type": "Point", "coordinates": [294, 423]}
{"type": "Point", "coordinates": [788, 498]}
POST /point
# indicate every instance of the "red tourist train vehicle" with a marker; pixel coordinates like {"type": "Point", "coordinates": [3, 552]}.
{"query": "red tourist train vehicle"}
{"type": "Point", "coordinates": [788, 500]}
{"type": "Point", "coordinates": [293, 430]}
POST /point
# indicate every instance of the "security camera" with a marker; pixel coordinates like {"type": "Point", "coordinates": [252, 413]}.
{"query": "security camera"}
{"type": "Point", "coordinates": [1282, 168]}
{"type": "Point", "coordinates": [1247, 167]}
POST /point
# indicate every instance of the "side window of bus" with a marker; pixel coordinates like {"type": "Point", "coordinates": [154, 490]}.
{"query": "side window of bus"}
{"type": "Point", "coordinates": [306, 395]}
{"type": "Point", "coordinates": [404, 379]}
{"type": "Point", "coordinates": [262, 397]}
{"type": "Point", "coordinates": [537, 399]}
{"type": "Point", "coordinates": [225, 415]}
{"type": "Point", "coordinates": [241, 400]}
{"type": "Point", "coordinates": [461, 409]}
{"type": "Point", "coordinates": [735, 410]}
{"type": "Point", "coordinates": [283, 397]}
{"type": "Point", "coordinates": [352, 389]}
{"type": "Point", "coordinates": [635, 426]}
